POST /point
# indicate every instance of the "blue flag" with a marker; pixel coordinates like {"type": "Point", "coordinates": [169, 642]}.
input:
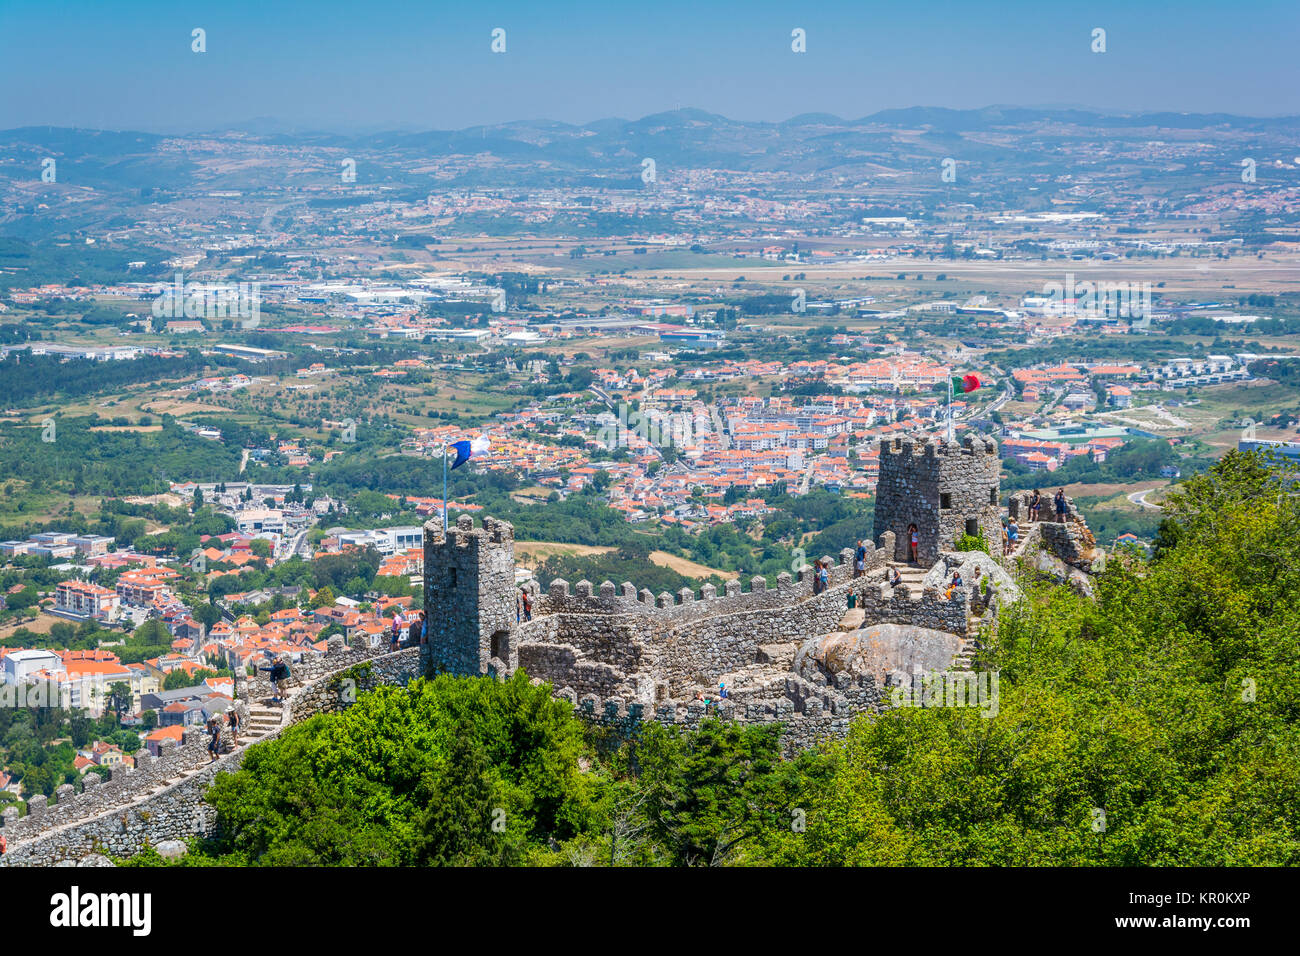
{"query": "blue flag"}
{"type": "Point", "coordinates": [467, 449]}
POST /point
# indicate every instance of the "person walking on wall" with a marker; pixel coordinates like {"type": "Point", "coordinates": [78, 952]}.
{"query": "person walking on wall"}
{"type": "Point", "coordinates": [214, 732]}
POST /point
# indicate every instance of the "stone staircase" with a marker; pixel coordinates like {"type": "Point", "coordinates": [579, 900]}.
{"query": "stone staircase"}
{"type": "Point", "coordinates": [969, 645]}
{"type": "Point", "coordinates": [968, 649]}
{"type": "Point", "coordinates": [263, 718]}
{"type": "Point", "coordinates": [912, 579]}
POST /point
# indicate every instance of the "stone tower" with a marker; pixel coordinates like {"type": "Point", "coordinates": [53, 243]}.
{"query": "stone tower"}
{"type": "Point", "coordinates": [469, 596]}
{"type": "Point", "coordinates": [943, 488]}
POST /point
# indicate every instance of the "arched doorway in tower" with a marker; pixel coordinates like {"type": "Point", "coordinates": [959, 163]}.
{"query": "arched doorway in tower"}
{"type": "Point", "coordinates": [500, 646]}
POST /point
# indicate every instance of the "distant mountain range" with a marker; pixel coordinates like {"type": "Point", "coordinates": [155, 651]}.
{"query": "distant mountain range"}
{"type": "Point", "coordinates": [894, 154]}
{"type": "Point", "coordinates": [688, 121]}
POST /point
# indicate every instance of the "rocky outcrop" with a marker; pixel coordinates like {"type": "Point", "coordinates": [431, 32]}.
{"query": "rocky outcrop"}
{"type": "Point", "coordinates": [876, 651]}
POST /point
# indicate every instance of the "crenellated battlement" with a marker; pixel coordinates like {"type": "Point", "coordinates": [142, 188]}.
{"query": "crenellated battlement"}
{"type": "Point", "coordinates": [936, 447]}
{"type": "Point", "coordinates": [161, 797]}
{"type": "Point", "coordinates": [585, 598]}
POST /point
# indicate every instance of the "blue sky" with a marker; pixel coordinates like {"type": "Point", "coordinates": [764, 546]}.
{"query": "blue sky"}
{"type": "Point", "coordinates": [382, 64]}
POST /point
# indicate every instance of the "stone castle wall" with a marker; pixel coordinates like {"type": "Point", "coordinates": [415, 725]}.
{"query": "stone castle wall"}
{"type": "Point", "coordinates": [145, 805]}
{"type": "Point", "coordinates": [619, 654]}
{"type": "Point", "coordinates": [618, 643]}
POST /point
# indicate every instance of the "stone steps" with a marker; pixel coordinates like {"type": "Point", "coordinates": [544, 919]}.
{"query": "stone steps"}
{"type": "Point", "coordinates": [852, 619]}
{"type": "Point", "coordinates": [911, 580]}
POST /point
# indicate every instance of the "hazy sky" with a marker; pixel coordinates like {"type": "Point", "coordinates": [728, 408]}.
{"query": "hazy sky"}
{"type": "Point", "coordinates": [120, 64]}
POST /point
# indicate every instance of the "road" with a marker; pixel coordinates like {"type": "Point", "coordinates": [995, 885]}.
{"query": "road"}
{"type": "Point", "coordinates": [806, 482]}
{"type": "Point", "coordinates": [1007, 394]}
{"type": "Point", "coordinates": [1140, 498]}
{"type": "Point", "coordinates": [299, 540]}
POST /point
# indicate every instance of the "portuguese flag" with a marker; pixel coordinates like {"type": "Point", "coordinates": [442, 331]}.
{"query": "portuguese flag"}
{"type": "Point", "coordinates": [966, 383]}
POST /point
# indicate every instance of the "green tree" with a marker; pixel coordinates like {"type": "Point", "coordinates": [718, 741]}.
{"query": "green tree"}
{"type": "Point", "coordinates": [180, 678]}
{"type": "Point", "coordinates": [708, 793]}
{"type": "Point", "coordinates": [119, 699]}
{"type": "Point", "coordinates": [152, 633]}
{"type": "Point", "coordinates": [455, 751]}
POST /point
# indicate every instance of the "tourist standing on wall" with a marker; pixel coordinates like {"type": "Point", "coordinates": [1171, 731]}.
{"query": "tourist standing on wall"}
{"type": "Point", "coordinates": [214, 731]}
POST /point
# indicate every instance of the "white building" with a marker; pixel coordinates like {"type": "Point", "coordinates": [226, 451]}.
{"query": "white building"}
{"type": "Point", "coordinates": [20, 665]}
{"type": "Point", "coordinates": [384, 540]}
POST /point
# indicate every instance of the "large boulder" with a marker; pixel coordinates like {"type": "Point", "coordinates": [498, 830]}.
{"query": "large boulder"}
{"type": "Point", "coordinates": [1054, 569]}
{"type": "Point", "coordinates": [171, 849]}
{"type": "Point", "coordinates": [971, 564]}
{"type": "Point", "coordinates": [876, 650]}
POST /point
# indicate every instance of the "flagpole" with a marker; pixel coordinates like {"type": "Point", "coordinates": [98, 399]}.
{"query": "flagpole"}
{"type": "Point", "coordinates": [950, 408]}
{"type": "Point", "coordinates": [444, 489]}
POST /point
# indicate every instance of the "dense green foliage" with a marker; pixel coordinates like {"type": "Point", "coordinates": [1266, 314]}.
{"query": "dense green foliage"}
{"type": "Point", "coordinates": [1142, 458]}
{"type": "Point", "coordinates": [39, 744]}
{"type": "Point", "coordinates": [413, 776]}
{"type": "Point", "coordinates": [1169, 705]}
{"type": "Point", "coordinates": [70, 458]}
{"type": "Point", "coordinates": [26, 379]}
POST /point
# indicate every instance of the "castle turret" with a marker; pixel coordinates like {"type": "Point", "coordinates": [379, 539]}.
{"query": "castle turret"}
{"type": "Point", "coordinates": [469, 595]}
{"type": "Point", "coordinates": [941, 490]}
